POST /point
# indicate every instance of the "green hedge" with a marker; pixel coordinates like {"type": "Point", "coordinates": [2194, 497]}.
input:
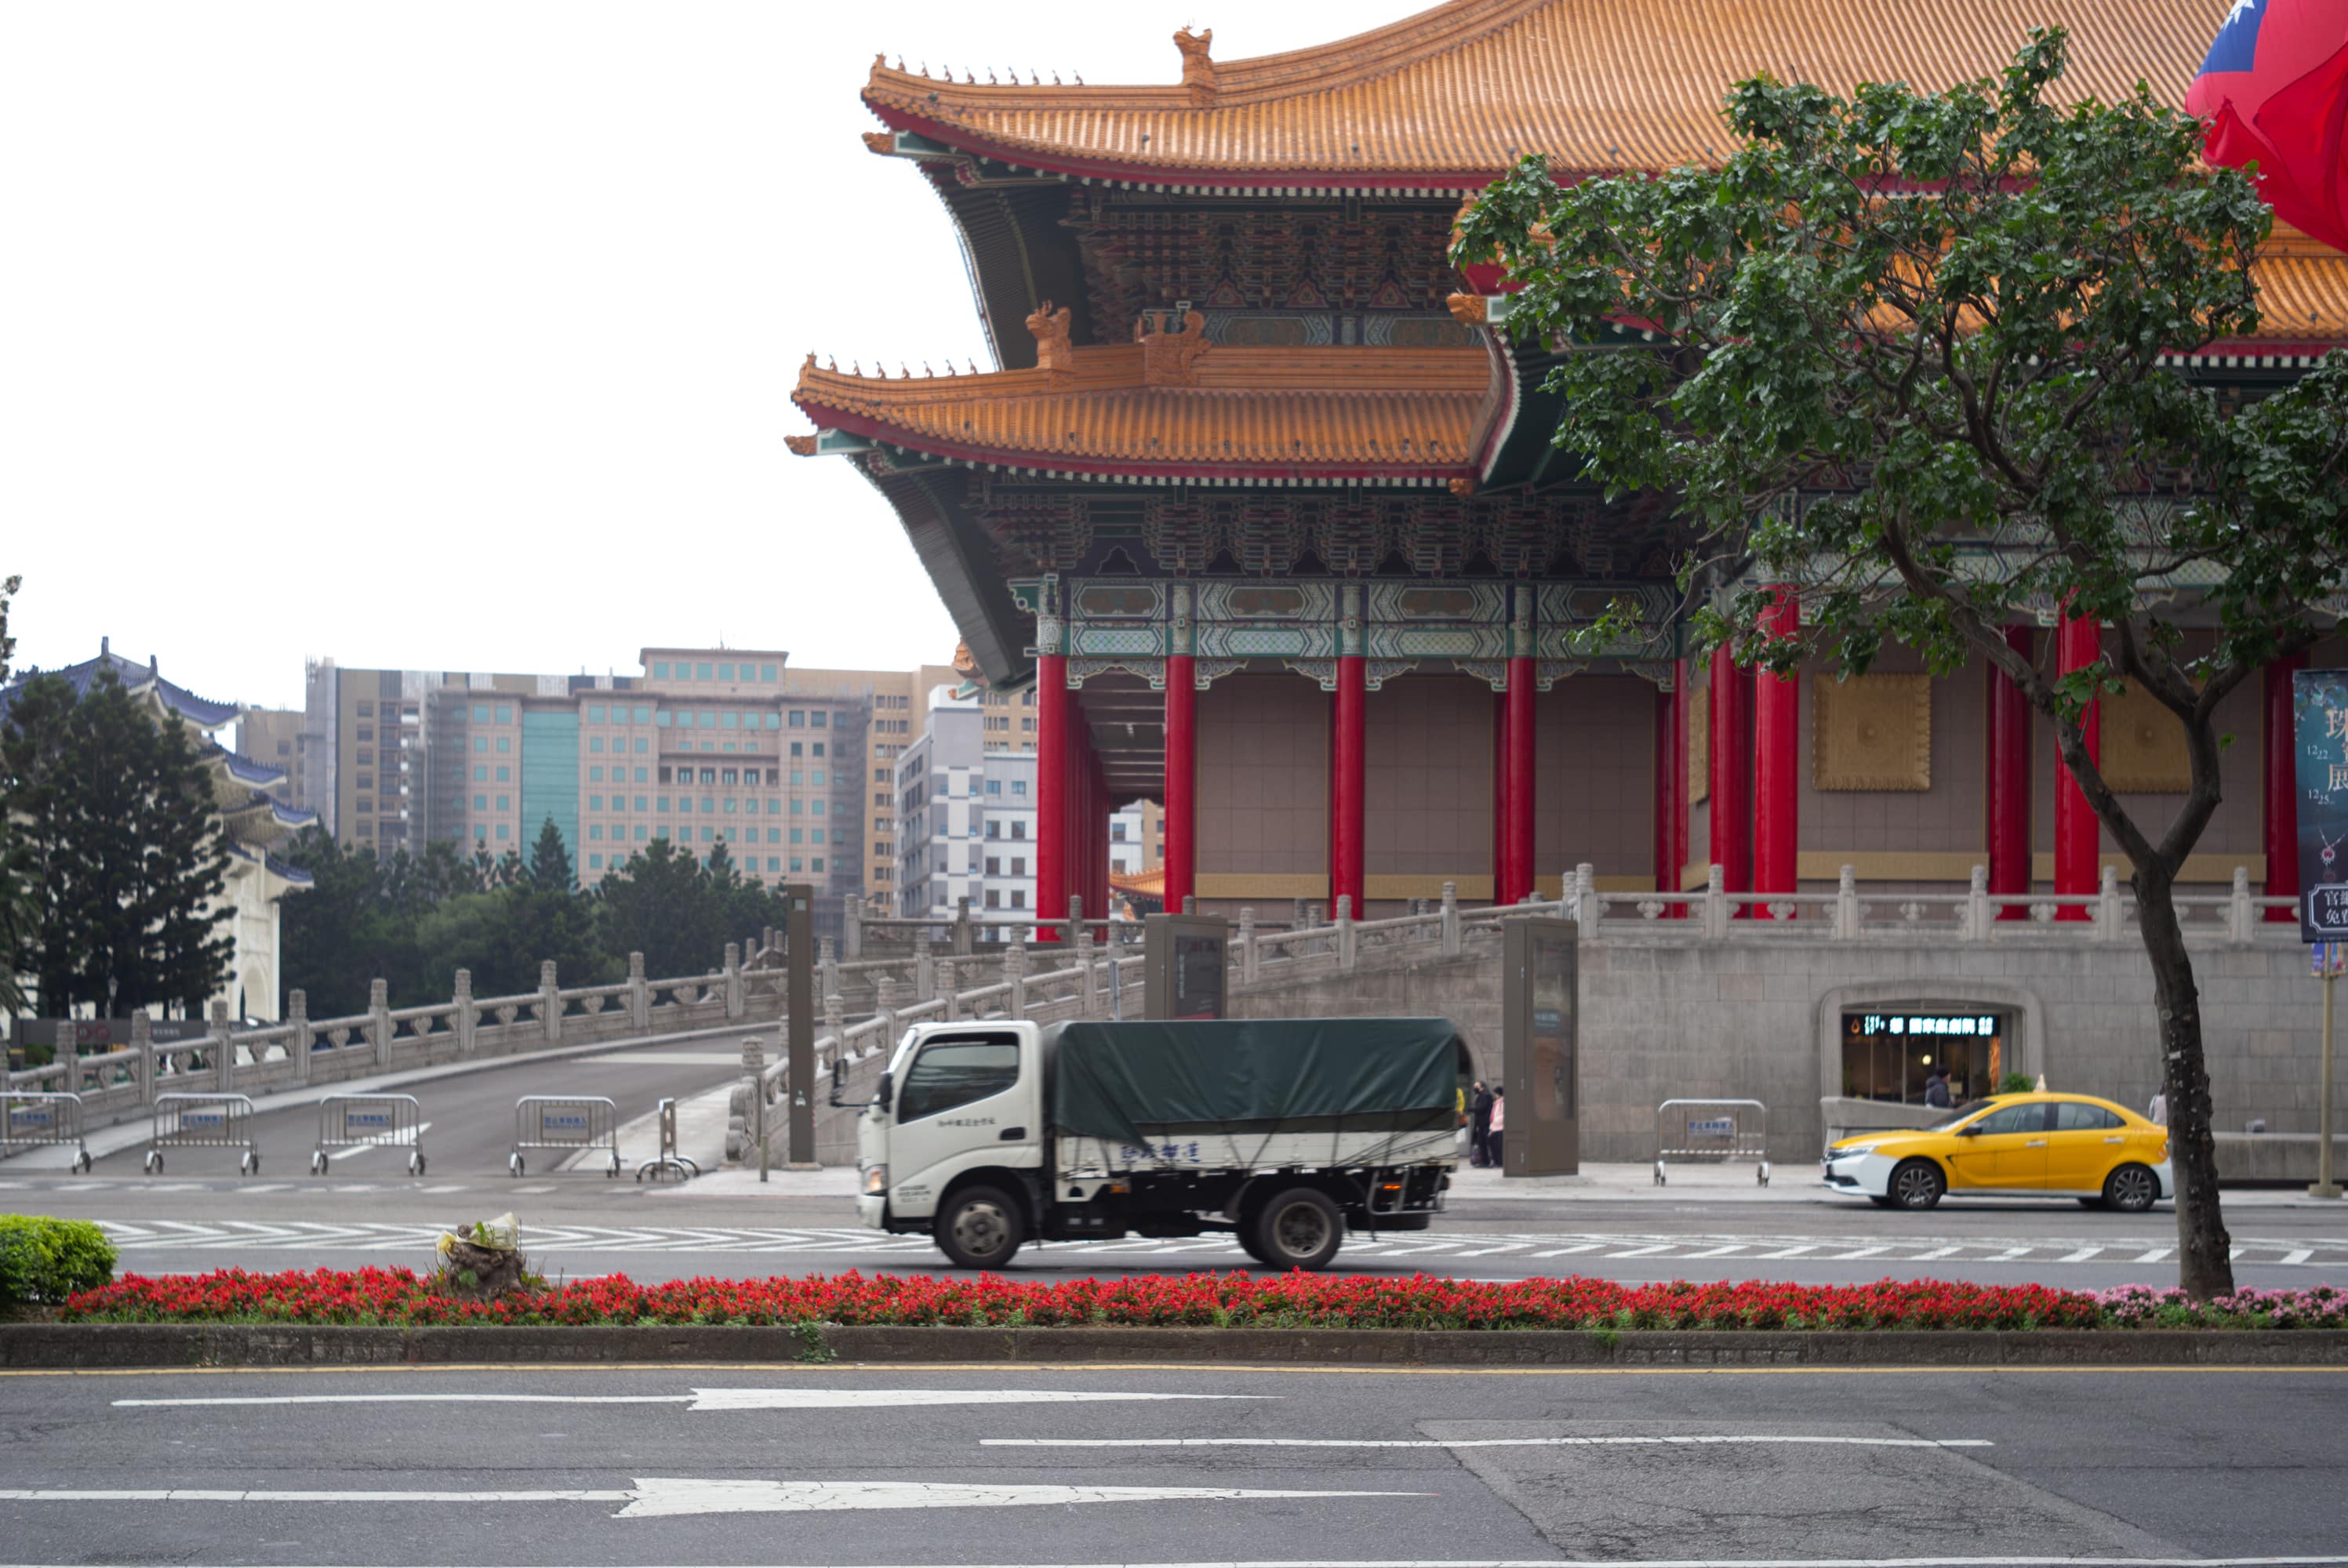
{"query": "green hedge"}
{"type": "Point", "coordinates": [42, 1259]}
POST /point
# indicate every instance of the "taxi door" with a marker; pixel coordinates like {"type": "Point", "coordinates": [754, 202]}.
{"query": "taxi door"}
{"type": "Point", "coordinates": [2085, 1141]}
{"type": "Point", "coordinates": [2005, 1149]}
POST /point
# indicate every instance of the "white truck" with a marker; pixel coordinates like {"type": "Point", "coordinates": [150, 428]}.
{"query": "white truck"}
{"type": "Point", "coordinates": [1286, 1133]}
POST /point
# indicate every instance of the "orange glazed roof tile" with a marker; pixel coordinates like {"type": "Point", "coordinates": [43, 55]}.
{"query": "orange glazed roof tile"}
{"type": "Point", "coordinates": [1466, 88]}
{"type": "Point", "coordinates": [1253, 412]}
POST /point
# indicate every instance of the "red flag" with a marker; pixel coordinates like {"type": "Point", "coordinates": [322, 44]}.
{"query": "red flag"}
{"type": "Point", "coordinates": [2275, 92]}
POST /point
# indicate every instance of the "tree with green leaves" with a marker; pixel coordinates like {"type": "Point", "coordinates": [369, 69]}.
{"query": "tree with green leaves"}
{"type": "Point", "coordinates": [124, 854]}
{"type": "Point", "coordinates": [664, 905]}
{"type": "Point", "coordinates": [1908, 364]}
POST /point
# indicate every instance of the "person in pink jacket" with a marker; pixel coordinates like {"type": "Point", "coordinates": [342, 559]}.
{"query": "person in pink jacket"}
{"type": "Point", "coordinates": [1499, 1122]}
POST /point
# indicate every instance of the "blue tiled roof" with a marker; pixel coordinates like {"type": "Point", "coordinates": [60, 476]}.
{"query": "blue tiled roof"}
{"type": "Point", "coordinates": [200, 711]}
{"type": "Point", "coordinates": [244, 770]}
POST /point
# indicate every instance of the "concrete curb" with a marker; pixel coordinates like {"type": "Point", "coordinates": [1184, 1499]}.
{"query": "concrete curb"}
{"type": "Point", "coordinates": [164, 1345]}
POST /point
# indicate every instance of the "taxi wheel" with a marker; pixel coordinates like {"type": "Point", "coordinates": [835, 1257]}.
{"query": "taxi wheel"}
{"type": "Point", "coordinates": [2131, 1189]}
{"type": "Point", "coordinates": [1917, 1184]}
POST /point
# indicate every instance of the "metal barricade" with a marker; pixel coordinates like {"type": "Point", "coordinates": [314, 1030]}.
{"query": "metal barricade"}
{"type": "Point", "coordinates": [574, 1122]}
{"type": "Point", "coordinates": [204, 1122]}
{"type": "Point", "coordinates": [37, 1119]}
{"type": "Point", "coordinates": [668, 1161]}
{"type": "Point", "coordinates": [369, 1121]}
{"type": "Point", "coordinates": [1719, 1131]}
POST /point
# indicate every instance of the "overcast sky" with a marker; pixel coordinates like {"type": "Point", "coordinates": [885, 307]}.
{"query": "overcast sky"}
{"type": "Point", "coordinates": [460, 336]}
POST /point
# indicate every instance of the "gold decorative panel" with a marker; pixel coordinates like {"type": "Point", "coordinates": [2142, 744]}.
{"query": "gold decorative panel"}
{"type": "Point", "coordinates": [1872, 732]}
{"type": "Point", "coordinates": [1698, 708]}
{"type": "Point", "coordinates": [2143, 745]}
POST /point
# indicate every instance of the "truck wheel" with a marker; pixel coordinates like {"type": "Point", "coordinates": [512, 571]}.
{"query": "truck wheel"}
{"type": "Point", "coordinates": [980, 1228]}
{"type": "Point", "coordinates": [1299, 1228]}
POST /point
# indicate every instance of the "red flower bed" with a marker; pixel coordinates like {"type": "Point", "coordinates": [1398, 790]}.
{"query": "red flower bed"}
{"type": "Point", "coordinates": [399, 1297]}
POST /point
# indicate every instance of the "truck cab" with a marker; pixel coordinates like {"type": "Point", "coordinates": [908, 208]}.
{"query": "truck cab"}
{"type": "Point", "coordinates": [977, 1138]}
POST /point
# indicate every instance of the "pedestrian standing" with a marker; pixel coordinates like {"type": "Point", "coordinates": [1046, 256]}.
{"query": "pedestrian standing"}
{"type": "Point", "coordinates": [2157, 1111]}
{"type": "Point", "coordinates": [1500, 1125]}
{"type": "Point", "coordinates": [1936, 1090]}
{"type": "Point", "coordinates": [1480, 1126]}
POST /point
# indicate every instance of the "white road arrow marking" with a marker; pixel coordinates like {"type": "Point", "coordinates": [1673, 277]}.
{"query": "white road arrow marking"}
{"type": "Point", "coordinates": [666, 1497]}
{"type": "Point", "coordinates": [709, 1399]}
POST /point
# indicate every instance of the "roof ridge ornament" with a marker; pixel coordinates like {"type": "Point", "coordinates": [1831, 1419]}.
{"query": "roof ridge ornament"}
{"type": "Point", "coordinates": [1198, 64]}
{"type": "Point", "coordinates": [1170, 358]}
{"type": "Point", "coordinates": [1056, 353]}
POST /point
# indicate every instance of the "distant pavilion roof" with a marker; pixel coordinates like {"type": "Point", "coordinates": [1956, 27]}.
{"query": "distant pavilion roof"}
{"type": "Point", "coordinates": [1452, 96]}
{"type": "Point", "coordinates": [140, 680]}
{"type": "Point", "coordinates": [1396, 414]}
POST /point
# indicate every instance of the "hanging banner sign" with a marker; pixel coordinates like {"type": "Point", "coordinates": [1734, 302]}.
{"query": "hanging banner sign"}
{"type": "Point", "coordinates": [2318, 711]}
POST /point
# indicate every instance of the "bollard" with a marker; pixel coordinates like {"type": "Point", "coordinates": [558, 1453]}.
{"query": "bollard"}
{"type": "Point", "coordinates": [297, 1013]}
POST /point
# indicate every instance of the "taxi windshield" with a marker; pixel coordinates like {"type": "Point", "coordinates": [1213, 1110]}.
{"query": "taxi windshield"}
{"type": "Point", "coordinates": [1961, 1115]}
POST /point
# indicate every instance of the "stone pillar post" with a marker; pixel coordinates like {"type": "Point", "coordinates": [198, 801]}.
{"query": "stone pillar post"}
{"type": "Point", "coordinates": [2078, 836]}
{"type": "Point", "coordinates": [1298, 910]}
{"type": "Point", "coordinates": [2108, 906]}
{"type": "Point", "coordinates": [1015, 974]}
{"type": "Point", "coordinates": [1978, 920]}
{"type": "Point", "coordinates": [464, 1018]}
{"type": "Point", "coordinates": [1076, 918]}
{"type": "Point", "coordinates": [297, 1015]}
{"type": "Point", "coordinates": [827, 967]}
{"type": "Point", "coordinates": [1346, 951]}
{"type": "Point", "coordinates": [224, 1054]}
{"type": "Point", "coordinates": [734, 980]}
{"type": "Point", "coordinates": [2240, 918]}
{"type": "Point", "coordinates": [1846, 915]}
{"type": "Point", "coordinates": [639, 995]}
{"type": "Point", "coordinates": [947, 981]}
{"type": "Point", "coordinates": [549, 1001]}
{"type": "Point", "coordinates": [852, 933]}
{"type": "Point", "coordinates": [1087, 986]}
{"type": "Point", "coordinates": [1251, 957]}
{"type": "Point", "coordinates": [834, 1019]}
{"type": "Point", "coordinates": [884, 1008]}
{"type": "Point", "coordinates": [142, 1047]}
{"type": "Point", "coordinates": [753, 1098]}
{"type": "Point", "coordinates": [962, 933]}
{"type": "Point", "coordinates": [1716, 903]}
{"type": "Point", "coordinates": [1450, 928]}
{"type": "Point", "coordinates": [1585, 898]}
{"type": "Point", "coordinates": [2006, 766]}
{"type": "Point", "coordinates": [379, 1021]}
{"type": "Point", "coordinates": [925, 969]}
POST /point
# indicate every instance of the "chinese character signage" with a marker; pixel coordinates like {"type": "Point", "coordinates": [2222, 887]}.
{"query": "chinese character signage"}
{"type": "Point", "coordinates": [2318, 708]}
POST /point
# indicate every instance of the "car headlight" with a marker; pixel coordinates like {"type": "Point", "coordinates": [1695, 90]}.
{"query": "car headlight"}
{"type": "Point", "coordinates": [876, 1181]}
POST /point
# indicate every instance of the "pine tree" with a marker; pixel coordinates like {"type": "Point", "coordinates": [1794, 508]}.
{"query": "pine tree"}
{"type": "Point", "coordinates": [123, 854]}
{"type": "Point", "coordinates": [660, 904]}
{"type": "Point", "coordinates": [550, 860]}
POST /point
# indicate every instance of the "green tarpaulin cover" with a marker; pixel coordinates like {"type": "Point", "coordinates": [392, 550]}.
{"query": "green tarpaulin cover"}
{"type": "Point", "coordinates": [1129, 1081]}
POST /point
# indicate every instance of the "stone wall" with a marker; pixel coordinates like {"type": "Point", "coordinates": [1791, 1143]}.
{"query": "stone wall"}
{"type": "Point", "coordinates": [1758, 1018]}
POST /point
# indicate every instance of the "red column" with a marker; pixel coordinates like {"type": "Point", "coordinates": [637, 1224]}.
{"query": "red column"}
{"type": "Point", "coordinates": [1732, 820]}
{"type": "Point", "coordinates": [1516, 764]}
{"type": "Point", "coordinates": [1499, 787]}
{"type": "Point", "coordinates": [1671, 834]}
{"type": "Point", "coordinates": [1181, 780]}
{"type": "Point", "coordinates": [2006, 764]}
{"type": "Point", "coordinates": [2282, 788]}
{"type": "Point", "coordinates": [1776, 743]}
{"type": "Point", "coordinates": [1348, 785]}
{"type": "Point", "coordinates": [1052, 802]}
{"type": "Point", "coordinates": [2078, 836]}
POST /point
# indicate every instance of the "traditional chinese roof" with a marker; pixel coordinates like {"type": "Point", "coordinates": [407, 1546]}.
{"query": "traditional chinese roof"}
{"type": "Point", "coordinates": [140, 680]}
{"type": "Point", "coordinates": [2302, 302]}
{"type": "Point", "coordinates": [1451, 96]}
{"type": "Point", "coordinates": [1299, 414]}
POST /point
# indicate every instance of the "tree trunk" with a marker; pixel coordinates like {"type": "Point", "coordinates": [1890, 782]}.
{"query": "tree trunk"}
{"type": "Point", "coordinates": [2204, 1250]}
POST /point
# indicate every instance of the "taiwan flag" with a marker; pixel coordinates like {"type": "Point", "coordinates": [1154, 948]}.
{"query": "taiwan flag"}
{"type": "Point", "coordinates": [2275, 92]}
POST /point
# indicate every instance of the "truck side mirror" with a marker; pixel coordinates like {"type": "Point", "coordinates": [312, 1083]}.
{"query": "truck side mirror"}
{"type": "Point", "coordinates": [882, 1096]}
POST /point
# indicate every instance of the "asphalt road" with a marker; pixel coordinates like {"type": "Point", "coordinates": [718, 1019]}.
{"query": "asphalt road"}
{"type": "Point", "coordinates": [1259, 1465]}
{"type": "Point", "coordinates": [469, 1119]}
{"type": "Point", "coordinates": [578, 1223]}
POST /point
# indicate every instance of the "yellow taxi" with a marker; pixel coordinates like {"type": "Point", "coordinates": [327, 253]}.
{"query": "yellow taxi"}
{"type": "Point", "coordinates": [2011, 1145]}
